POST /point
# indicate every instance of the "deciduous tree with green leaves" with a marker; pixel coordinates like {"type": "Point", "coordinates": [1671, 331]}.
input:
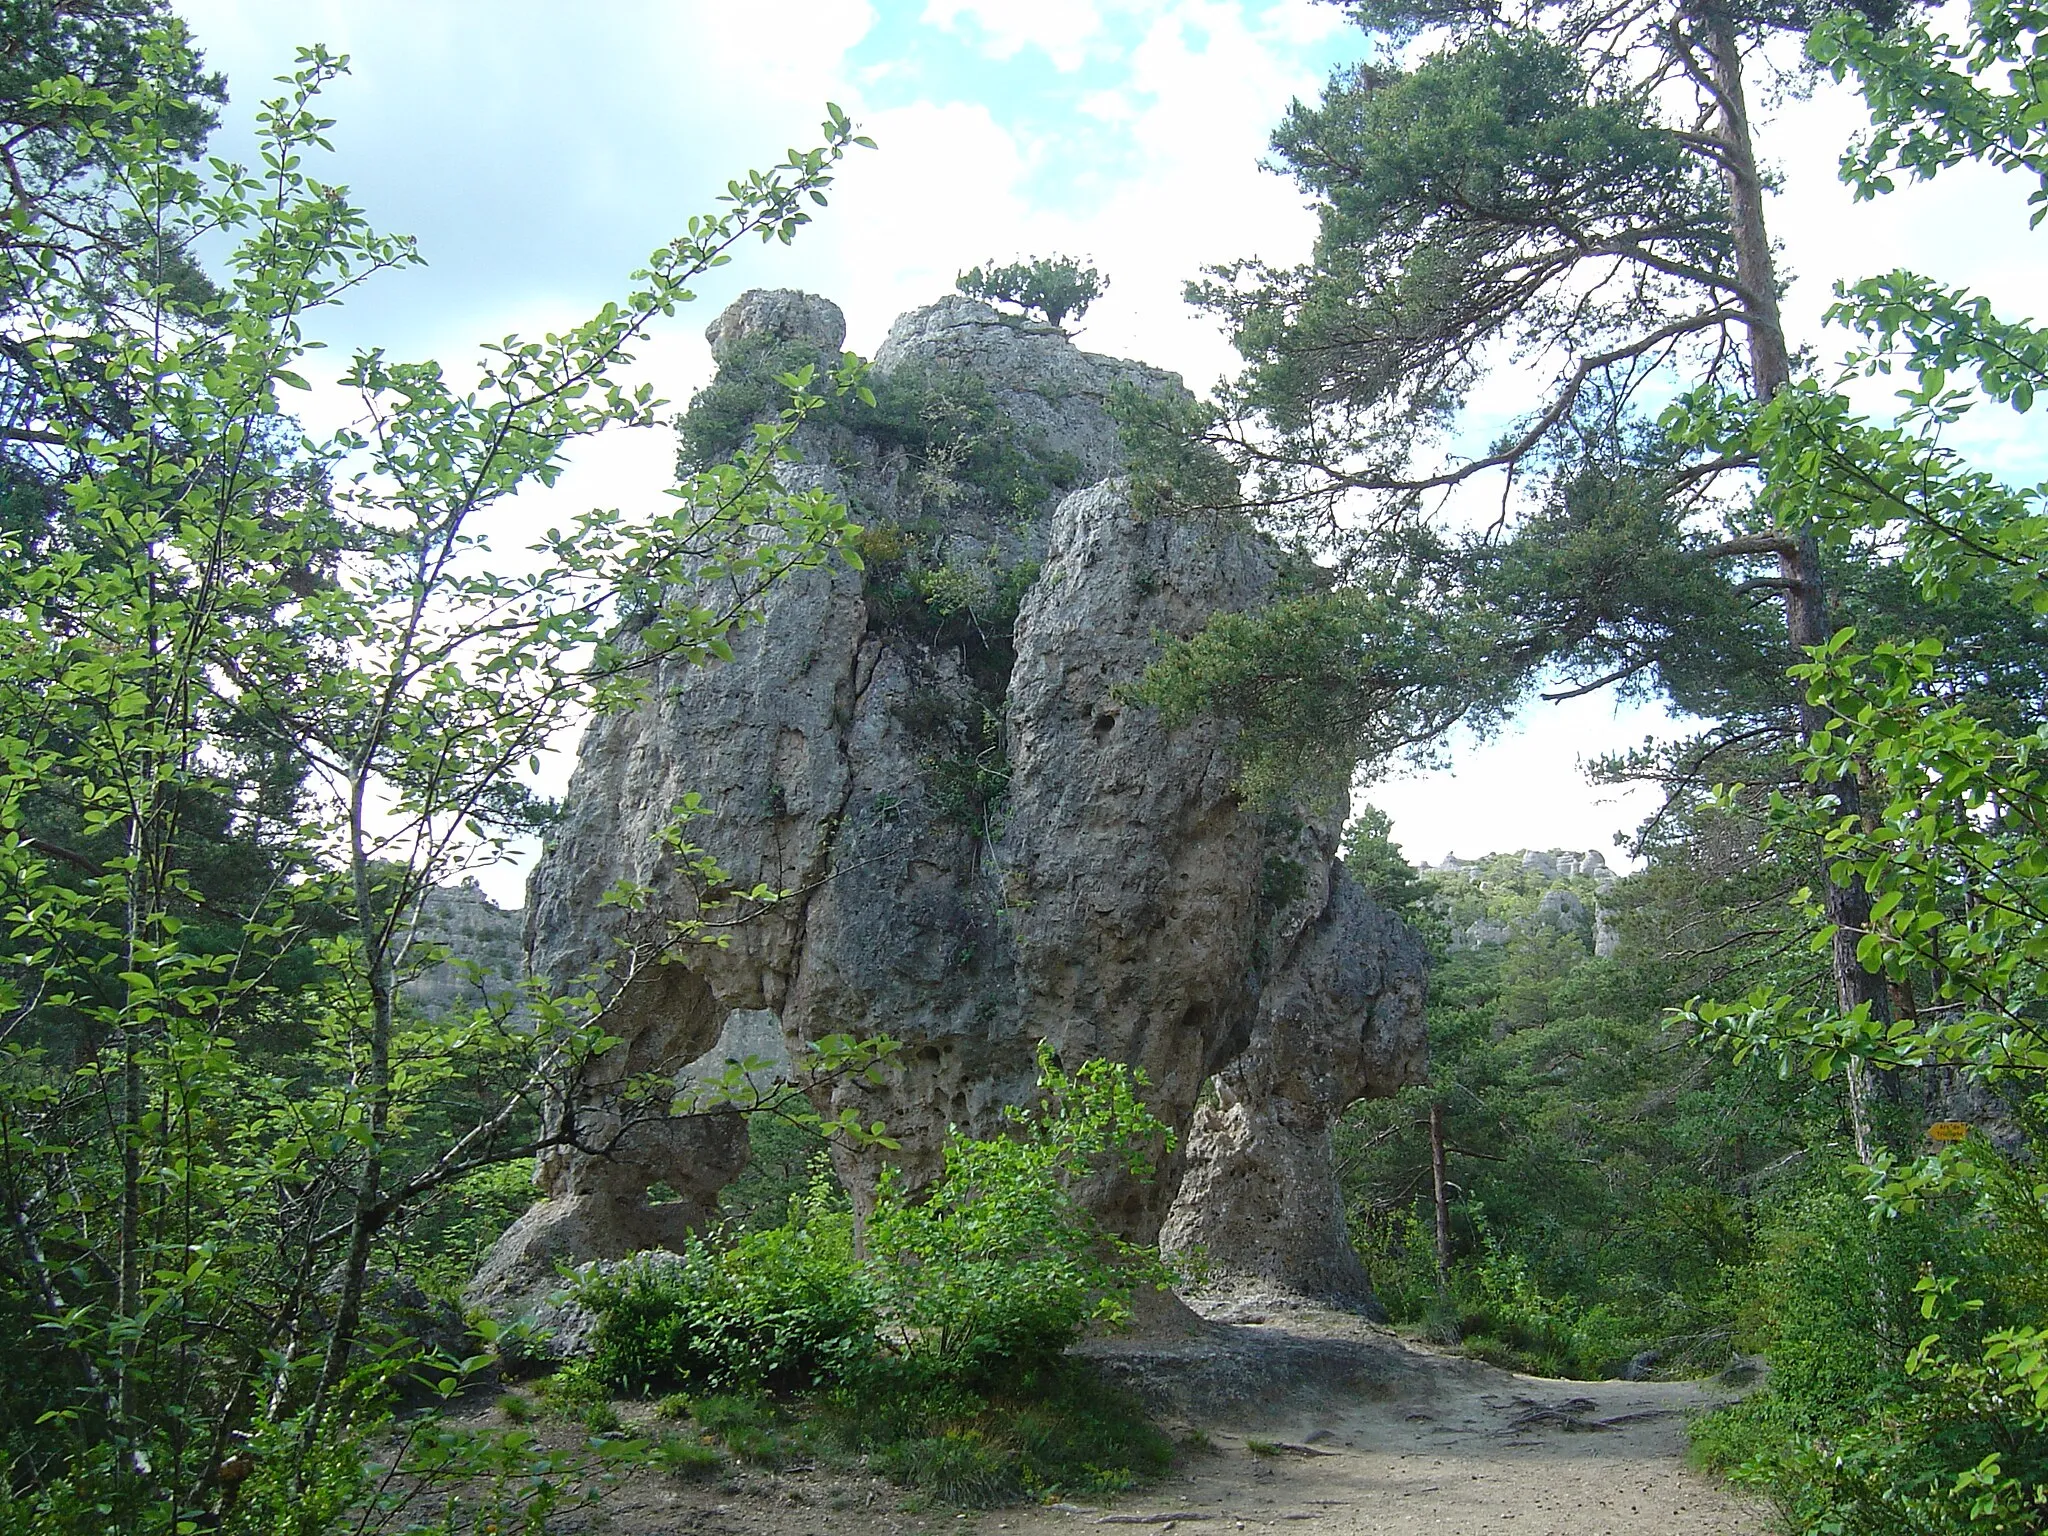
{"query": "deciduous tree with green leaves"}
{"type": "Point", "coordinates": [194, 1209]}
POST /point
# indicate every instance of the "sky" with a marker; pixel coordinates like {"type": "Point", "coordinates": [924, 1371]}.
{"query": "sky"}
{"type": "Point", "coordinates": [539, 151]}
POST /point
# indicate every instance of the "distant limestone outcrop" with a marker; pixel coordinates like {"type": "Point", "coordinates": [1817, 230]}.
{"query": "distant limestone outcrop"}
{"type": "Point", "coordinates": [1486, 900]}
{"type": "Point", "coordinates": [986, 845]}
{"type": "Point", "coordinates": [483, 943]}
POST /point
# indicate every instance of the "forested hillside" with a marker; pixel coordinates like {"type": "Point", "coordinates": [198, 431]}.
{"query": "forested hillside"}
{"type": "Point", "coordinates": [975, 725]}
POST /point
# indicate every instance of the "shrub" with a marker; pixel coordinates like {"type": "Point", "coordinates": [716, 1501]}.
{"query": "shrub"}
{"type": "Point", "coordinates": [982, 1279]}
{"type": "Point", "coordinates": [750, 1425]}
{"type": "Point", "coordinates": [571, 1390]}
{"type": "Point", "coordinates": [1399, 1254]}
{"type": "Point", "coordinates": [748, 389]}
{"type": "Point", "coordinates": [522, 1352]}
{"type": "Point", "coordinates": [1908, 1390]}
{"type": "Point", "coordinates": [995, 1271]}
{"type": "Point", "coordinates": [960, 1466]}
{"type": "Point", "coordinates": [1061, 1431]}
{"type": "Point", "coordinates": [781, 1309]}
{"type": "Point", "coordinates": [686, 1458]}
{"type": "Point", "coordinates": [1505, 1317]}
{"type": "Point", "coordinates": [941, 1353]}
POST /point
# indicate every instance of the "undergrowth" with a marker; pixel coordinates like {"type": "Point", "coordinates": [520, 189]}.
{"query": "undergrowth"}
{"type": "Point", "coordinates": [936, 1352]}
{"type": "Point", "coordinates": [1908, 1391]}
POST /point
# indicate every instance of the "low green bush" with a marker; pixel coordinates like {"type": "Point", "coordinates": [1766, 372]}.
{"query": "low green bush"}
{"type": "Point", "coordinates": [684, 1458]}
{"type": "Point", "coordinates": [571, 1390]}
{"type": "Point", "coordinates": [960, 1466]}
{"type": "Point", "coordinates": [993, 1272]}
{"type": "Point", "coordinates": [1058, 1431]}
{"type": "Point", "coordinates": [1908, 1342]}
{"type": "Point", "coordinates": [780, 1309]}
{"type": "Point", "coordinates": [940, 1351]}
{"type": "Point", "coordinates": [752, 1426]}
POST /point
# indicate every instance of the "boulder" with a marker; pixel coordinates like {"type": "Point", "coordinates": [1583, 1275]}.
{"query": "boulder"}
{"type": "Point", "coordinates": [776, 315]}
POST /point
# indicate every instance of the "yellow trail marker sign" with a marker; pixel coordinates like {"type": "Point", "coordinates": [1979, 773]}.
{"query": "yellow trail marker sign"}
{"type": "Point", "coordinates": [1949, 1130]}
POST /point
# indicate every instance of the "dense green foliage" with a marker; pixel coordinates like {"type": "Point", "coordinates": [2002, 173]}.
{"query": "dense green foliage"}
{"type": "Point", "coordinates": [778, 1309]}
{"type": "Point", "coordinates": [263, 693]}
{"type": "Point", "coordinates": [1891, 1280]}
{"type": "Point", "coordinates": [1318, 682]}
{"type": "Point", "coordinates": [935, 1340]}
{"type": "Point", "coordinates": [1051, 287]}
{"type": "Point", "coordinates": [1608, 1182]}
{"type": "Point", "coordinates": [959, 448]}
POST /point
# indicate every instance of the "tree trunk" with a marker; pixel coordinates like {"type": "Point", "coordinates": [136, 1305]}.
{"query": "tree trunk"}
{"type": "Point", "coordinates": [369, 1215]}
{"type": "Point", "coordinates": [128, 1295]}
{"type": "Point", "coordinates": [1440, 1180]}
{"type": "Point", "coordinates": [1846, 901]}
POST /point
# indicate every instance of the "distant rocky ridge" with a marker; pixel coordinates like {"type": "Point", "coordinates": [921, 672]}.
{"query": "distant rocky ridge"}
{"type": "Point", "coordinates": [485, 946]}
{"type": "Point", "coordinates": [1487, 899]}
{"type": "Point", "coordinates": [988, 846]}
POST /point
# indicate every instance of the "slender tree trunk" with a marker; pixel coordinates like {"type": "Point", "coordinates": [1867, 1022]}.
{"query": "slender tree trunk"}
{"type": "Point", "coordinates": [1770, 363]}
{"type": "Point", "coordinates": [1441, 1183]}
{"type": "Point", "coordinates": [369, 1217]}
{"type": "Point", "coordinates": [1846, 900]}
{"type": "Point", "coordinates": [128, 1296]}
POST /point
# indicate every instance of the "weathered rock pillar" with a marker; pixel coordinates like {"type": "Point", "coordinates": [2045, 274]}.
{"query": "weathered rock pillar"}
{"type": "Point", "coordinates": [1260, 1199]}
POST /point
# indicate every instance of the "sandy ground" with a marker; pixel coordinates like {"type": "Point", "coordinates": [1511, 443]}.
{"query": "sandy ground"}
{"type": "Point", "coordinates": [1311, 1425]}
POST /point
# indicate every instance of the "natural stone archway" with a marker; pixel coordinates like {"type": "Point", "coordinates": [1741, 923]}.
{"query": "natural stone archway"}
{"type": "Point", "coordinates": [985, 844]}
{"type": "Point", "coordinates": [1343, 1022]}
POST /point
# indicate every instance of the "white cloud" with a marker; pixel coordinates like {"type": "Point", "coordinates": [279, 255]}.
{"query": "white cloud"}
{"type": "Point", "coordinates": [1527, 788]}
{"type": "Point", "coordinates": [1061, 29]}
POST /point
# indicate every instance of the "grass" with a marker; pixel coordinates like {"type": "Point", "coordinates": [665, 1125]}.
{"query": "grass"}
{"type": "Point", "coordinates": [569, 1392]}
{"type": "Point", "coordinates": [692, 1459]}
{"type": "Point", "coordinates": [756, 1430]}
{"type": "Point", "coordinates": [1058, 1432]}
{"type": "Point", "coordinates": [1061, 1433]}
{"type": "Point", "coordinates": [1064, 1433]}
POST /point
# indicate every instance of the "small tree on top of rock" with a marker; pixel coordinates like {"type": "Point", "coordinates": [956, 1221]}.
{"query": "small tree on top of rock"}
{"type": "Point", "coordinates": [1052, 287]}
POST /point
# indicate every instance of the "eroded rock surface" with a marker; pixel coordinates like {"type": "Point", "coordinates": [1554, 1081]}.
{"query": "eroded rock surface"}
{"type": "Point", "coordinates": [1342, 1021]}
{"type": "Point", "coordinates": [986, 846]}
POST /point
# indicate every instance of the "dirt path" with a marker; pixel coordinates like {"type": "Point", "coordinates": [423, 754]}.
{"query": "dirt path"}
{"type": "Point", "coordinates": [1522, 1455]}
{"type": "Point", "coordinates": [1312, 1425]}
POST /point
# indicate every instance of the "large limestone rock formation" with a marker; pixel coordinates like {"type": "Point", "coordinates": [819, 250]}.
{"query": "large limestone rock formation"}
{"type": "Point", "coordinates": [987, 846]}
